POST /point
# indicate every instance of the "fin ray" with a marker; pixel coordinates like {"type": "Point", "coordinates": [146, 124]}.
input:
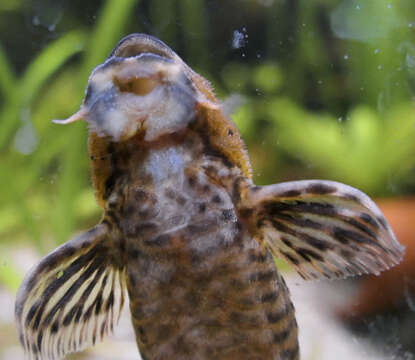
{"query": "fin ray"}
{"type": "Point", "coordinates": [324, 229]}
{"type": "Point", "coordinates": [71, 299]}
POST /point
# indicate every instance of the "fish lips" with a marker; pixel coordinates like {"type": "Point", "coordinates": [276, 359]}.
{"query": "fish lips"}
{"type": "Point", "coordinates": [145, 92]}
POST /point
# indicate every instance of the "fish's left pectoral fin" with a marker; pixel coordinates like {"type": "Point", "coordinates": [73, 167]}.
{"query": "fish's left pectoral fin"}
{"type": "Point", "coordinates": [71, 299]}
{"type": "Point", "coordinates": [323, 229]}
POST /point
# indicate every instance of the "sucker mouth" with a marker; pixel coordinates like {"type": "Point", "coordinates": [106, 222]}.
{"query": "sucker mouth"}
{"type": "Point", "coordinates": [137, 80]}
{"type": "Point", "coordinates": [132, 90]}
{"type": "Point", "coordinates": [137, 44]}
{"type": "Point", "coordinates": [138, 85]}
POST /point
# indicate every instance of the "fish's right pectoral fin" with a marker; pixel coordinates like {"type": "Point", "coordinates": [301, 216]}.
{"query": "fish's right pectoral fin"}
{"type": "Point", "coordinates": [323, 229]}
{"type": "Point", "coordinates": [71, 299]}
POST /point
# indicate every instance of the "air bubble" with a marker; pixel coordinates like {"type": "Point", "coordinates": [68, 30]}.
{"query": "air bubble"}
{"type": "Point", "coordinates": [238, 39]}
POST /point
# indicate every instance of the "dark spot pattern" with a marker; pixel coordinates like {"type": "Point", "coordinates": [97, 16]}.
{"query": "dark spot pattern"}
{"type": "Point", "coordinates": [192, 181]}
{"type": "Point", "coordinates": [269, 297]}
{"type": "Point", "coordinates": [39, 340]}
{"type": "Point", "coordinates": [345, 236]}
{"type": "Point", "coordinates": [32, 312]}
{"type": "Point", "coordinates": [351, 197]}
{"type": "Point", "coordinates": [55, 327]}
{"type": "Point", "coordinates": [257, 257]}
{"type": "Point", "coordinates": [51, 313]}
{"type": "Point", "coordinates": [134, 254]}
{"type": "Point", "coordinates": [281, 337]}
{"type": "Point", "coordinates": [318, 243]}
{"type": "Point", "coordinates": [217, 199]}
{"type": "Point", "coordinates": [59, 282]}
{"type": "Point", "coordinates": [228, 214]}
{"type": "Point", "coordinates": [320, 189]}
{"type": "Point", "coordinates": [290, 354]}
{"type": "Point", "coordinates": [276, 316]}
{"type": "Point", "coordinates": [142, 334]}
{"type": "Point", "coordinates": [290, 257]}
{"type": "Point", "coordinates": [263, 276]}
{"type": "Point", "coordinates": [323, 209]}
{"type": "Point", "coordinates": [145, 228]}
{"type": "Point", "coordinates": [298, 221]}
{"type": "Point", "coordinates": [362, 227]}
{"type": "Point", "coordinates": [383, 222]}
{"type": "Point", "coordinates": [286, 241]}
{"type": "Point", "coordinates": [158, 241]}
{"type": "Point", "coordinates": [308, 254]}
{"type": "Point", "coordinates": [369, 220]}
{"type": "Point", "coordinates": [290, 193]}
{"type": "Point", "coordinates": [140, 195]}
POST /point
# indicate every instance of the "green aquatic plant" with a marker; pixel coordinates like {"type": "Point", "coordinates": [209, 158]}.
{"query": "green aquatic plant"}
{"type": "Point", "coordinates": [44, 169]}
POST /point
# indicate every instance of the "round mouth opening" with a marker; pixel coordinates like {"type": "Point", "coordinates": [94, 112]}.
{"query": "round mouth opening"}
{"type": "Point", "coordinates": [137, 85]}
{"type": "Point", "coordinates": [140, 74]}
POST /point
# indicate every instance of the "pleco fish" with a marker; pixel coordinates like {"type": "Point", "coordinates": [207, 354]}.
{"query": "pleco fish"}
{"type": "Point", "coordinates": [185, 230]}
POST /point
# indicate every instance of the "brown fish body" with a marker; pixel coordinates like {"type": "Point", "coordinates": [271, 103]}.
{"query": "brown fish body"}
{"type": "Point", "coordinates": [186, 230]}
{"type": "Point", "coordinates": [200, 286]}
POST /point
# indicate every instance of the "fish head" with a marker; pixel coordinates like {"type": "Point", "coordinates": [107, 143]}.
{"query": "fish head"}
{"type": "Point", "coordinates": [143, 89]}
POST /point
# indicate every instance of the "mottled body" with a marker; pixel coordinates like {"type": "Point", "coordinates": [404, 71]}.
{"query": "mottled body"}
{"type": "Point", "coordinates": [200, 286]}
{"type": "Point", "coordinates": [186, 230]}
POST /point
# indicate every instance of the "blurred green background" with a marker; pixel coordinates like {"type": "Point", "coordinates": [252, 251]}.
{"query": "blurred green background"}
{"type": "Point", "coordinates": [319, 89]}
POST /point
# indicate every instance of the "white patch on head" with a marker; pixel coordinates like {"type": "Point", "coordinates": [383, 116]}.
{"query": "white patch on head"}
{"type": "Point", "coordinates": [115, 127]}
{"type": "Point", "coordinates": [171, 71]}
{"type": "Point", "coordinates": [120, 114]}
{"type": "Point", "coordinates": [101, 79]}
{"type": "Point", "coordinates": [168, 117]}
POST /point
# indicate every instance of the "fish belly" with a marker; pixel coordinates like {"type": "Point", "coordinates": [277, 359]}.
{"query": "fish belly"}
{"type": "Point", "coordinates": [200, 286]}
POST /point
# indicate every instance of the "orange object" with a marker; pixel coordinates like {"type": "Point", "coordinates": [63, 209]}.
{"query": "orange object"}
{"type": "Point", "coordinates": [392, 289]}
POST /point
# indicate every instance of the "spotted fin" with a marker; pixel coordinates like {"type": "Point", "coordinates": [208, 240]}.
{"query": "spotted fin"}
{"type": "Point", "coordinates": [324, 229]}
{"type": "Point", "coordinates": [71, 299]}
